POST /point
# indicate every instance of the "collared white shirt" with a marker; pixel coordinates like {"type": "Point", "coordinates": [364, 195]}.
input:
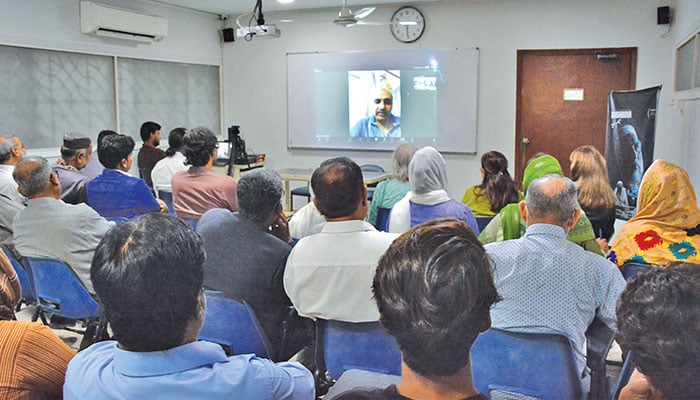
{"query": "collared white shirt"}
{"type": "Point", "coordinates": [163, 171]}
{"type": "Point", "coordinates": [329, 274]}
{"type": "Point", "coordinates": [8, 185]}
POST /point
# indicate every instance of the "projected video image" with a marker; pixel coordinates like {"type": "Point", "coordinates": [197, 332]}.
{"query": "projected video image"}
{"type": "Point", "coordinates": [378, 100]}
{"type": "Point", "coordinates": [374, 105]}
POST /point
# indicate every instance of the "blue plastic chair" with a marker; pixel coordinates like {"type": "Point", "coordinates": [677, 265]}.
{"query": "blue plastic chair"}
{"type": "Point", "coordinates": [59, 291]}
{"type": "Point", "coordinates": [625, 374]}
{"type": "Point", "coordinates": [541, 365]}
{"type": "Point", "coordinates": [167, 198]}
{"type": "Point", "coordinates": [630, 269]}
{"type": "Point", "coordinates": [341, 346]}
{"type": "Point", "coordinates": [232, 324]}
{"type": "Point", "coordinates": [25, 284]}
{"type": "Point", "coordinates": [482, 222]}
{"type": "Point", "coordinates": [372, 168]}
{"type": "Point", "coordinates": [382, 223]}
{"type": "Point", "coordinates": [300, 191]}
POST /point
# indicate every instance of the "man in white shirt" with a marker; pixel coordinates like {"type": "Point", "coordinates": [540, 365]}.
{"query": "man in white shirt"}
{"type": "Point", "coordinates": [329, 274]}
{"type": "Point", "coordinates": [11, 151]}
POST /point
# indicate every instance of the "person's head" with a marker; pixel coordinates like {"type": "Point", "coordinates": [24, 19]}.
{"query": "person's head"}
{"type": "Point", "coordinates": [497, 183]}
{"type": "Point", "coordinates": [10, 291]}
{"type": "Point", "coordinates": [587, 162]}
{"type": "Point", "coordinates": [666, 195]}
{"type": "Point", "coordinates": [200, 146]}
{"type": "Point", "coordinates": [400, 160]}
{"type": "Point", "coordinates": [176, 140]}
{"type": "Point", "coordinates": [11, 150]}
{"type": "Point", "coordinates": [103, 134]}
{"type": "Point", "coordinates": [35, 178]}
{"type": "Point", "coordinates": [434, 290]}
{"type": "Point", "coordinates": [658, 318]}
{"type": "Point", "coordinates": [539, 166]}
{"type": "Point", "coordinates": [76, 150]}
{"type": "Point", "coordinates": [339, 189]}
{"type": "Point", "coordinates": [427, 171]}
{"type": "Point", "coordinates": [259, 195]}
{"type": "Point", "coordinates": [590, 176]}
{"type": "Point", "coordinates": [383, 103]}
{"type": "Point", "coordinates": [115, 151]}
{"type": "Point", "coordinates": [150, 133]}
{"type": "Point", "coordinates": [551, 199]}
{"type": "Point", "coordinates": [148, 275]}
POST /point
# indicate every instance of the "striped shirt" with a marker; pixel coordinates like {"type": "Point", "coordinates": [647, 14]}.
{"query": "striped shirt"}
{"type": "Point", "coordinates": [33, 361]}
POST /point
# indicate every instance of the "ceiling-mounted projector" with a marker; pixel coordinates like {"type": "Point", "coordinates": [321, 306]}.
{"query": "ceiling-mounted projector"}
{"type": "Point", "coordinates": [262, 31]}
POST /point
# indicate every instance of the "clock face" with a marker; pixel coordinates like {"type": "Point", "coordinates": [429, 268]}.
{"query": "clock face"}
{"type": "Point", "coordinates": [407, 24]}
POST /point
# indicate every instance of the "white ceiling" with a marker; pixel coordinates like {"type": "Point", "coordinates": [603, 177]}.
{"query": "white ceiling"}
{"type": "Point", "coordinates": [233, 7]}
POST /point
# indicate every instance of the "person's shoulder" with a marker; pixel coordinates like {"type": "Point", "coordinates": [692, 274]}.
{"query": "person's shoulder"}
{"type": "Point", "coordinates": [215, 217]}
{"type": "Point", "coordinates": [85, 360]}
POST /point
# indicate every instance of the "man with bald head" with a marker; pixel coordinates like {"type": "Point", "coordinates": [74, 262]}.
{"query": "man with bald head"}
{"type": "Point", "coordinates": [48, 227]}
{"type": "Point", "coordinates": [548, 283]}
{"type": "Point", "coordinates": [11, 151]}
{"type": "Point", "coordinates": [329, 274]}
{"type": "Point", "coordinates": [382, 123]}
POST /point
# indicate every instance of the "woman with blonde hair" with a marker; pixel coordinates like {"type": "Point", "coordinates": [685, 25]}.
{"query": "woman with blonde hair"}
{"type": "Point", "coordinates": [496, 189]}
{"type": "Point", "coordinates": [595, 195]}
{"type": "Point", "coordinates": [390, 191]}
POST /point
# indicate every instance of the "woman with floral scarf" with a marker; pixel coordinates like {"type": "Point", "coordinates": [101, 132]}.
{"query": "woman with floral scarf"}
{"type": "Point", "coordinates": [667, 225]}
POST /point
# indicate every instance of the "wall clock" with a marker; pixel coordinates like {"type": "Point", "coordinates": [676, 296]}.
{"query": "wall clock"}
{"type": "Point", "coordinates": [407, 24]}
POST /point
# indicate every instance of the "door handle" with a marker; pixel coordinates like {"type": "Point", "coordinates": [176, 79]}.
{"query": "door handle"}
{"type": "Point", "coordinates": [524, 142]}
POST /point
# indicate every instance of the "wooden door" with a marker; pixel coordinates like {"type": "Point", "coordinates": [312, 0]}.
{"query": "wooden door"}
{"type": "Point", "coordinates": [562, 98]}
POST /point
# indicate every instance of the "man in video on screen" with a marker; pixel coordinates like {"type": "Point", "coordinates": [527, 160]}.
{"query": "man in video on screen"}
{"type": "Point", "coordinates": [383, 123]}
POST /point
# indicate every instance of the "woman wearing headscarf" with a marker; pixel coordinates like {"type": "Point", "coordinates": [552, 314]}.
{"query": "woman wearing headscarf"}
{"type": "Point", "coordinates": [509, 225]}
{"type": "Point", "coordinates": [390, 191]}
{"type": "Point", "coordinates": [427, 200]}
{"type": "Point", "coordinates": [667, 225]}
{"type": "Point", "coordinates": [33, 359]}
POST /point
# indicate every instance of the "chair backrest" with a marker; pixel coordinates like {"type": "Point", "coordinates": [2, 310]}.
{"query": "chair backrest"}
{"type": "Point", "coordinates": [167, 198]}
{"type": "Point", "coordinates": [341, 346]}
{"type": "Point", "coordinates": [483, 221]}
{"type": "Point", "coordinates": [58, 289]}
{"type": "Point", "coordinates": [372, 167]}
{"type": "Point", "coordinates": [24, 282]}
{"type": "Point", "coordinates": [625, 374]}
{"type": "Point", "coordinates": [382, 222]}
{"type": "Point", "coordinates": [630, 269]}
{"type": "Point", "coordinates": [232, 324]}
{"type": "Point", "coordinates": [540, 365]}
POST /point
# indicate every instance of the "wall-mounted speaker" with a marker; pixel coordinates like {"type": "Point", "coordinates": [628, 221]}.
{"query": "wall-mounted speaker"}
{"type": "Point", "coordinates": [663, 15]}
{"type": "Point", "coordinates": [228, 35]}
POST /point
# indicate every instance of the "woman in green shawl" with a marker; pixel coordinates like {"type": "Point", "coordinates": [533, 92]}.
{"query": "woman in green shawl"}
{"type": "Point", "coordinates": [507, 224]}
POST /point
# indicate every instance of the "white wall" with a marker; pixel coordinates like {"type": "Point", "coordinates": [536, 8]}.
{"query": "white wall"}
{"type": "Point", "coordinates": [686, 22]}
{"type": "Point", "coordinates": [193, 37]}
{"type": "Point", "coordinates": [255, 72]}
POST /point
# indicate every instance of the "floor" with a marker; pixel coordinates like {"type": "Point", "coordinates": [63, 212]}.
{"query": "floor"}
{"type": "Point", "coordinates": [72, 339]}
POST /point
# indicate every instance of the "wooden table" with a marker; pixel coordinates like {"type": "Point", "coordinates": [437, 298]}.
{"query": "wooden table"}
{"type": "Point", "coordinates": [304, 175]}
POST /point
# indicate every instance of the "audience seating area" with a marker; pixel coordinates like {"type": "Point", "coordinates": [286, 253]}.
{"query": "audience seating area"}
{"type": "Point", "coordinates": [59, 293]}
{"type": "Point", "coordinates": [540, 365]}
{"type": "Point", "coordinates": [233, 325]}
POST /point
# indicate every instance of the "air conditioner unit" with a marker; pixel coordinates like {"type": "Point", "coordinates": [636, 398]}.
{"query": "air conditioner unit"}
{"type": "Point", "coordinates": [101, 20]}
